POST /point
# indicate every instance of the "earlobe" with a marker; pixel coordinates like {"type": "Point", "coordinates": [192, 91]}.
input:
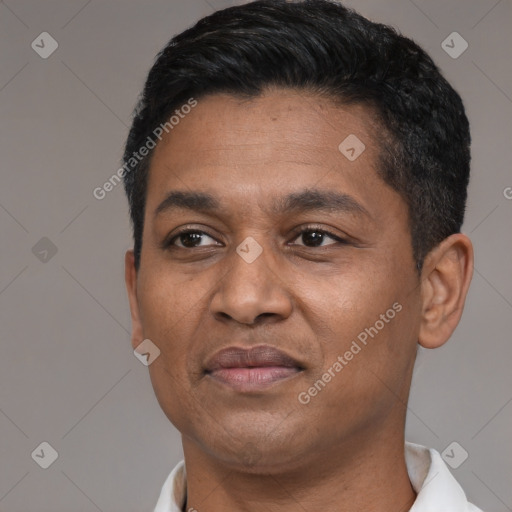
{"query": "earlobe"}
{"type": "Point", "coordinates": [446, 275]}
{"type": "Point", "coordinates": [130, 274]}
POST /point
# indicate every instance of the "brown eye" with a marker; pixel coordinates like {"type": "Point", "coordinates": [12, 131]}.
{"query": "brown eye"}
{"type": "Point", "coordinates": [313, 237]}
{"type": "Point", "coordinates": [189, 239]}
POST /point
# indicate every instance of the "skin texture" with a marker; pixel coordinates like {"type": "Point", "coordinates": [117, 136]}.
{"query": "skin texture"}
{"type": "Point", "coordinates": [265, 450]}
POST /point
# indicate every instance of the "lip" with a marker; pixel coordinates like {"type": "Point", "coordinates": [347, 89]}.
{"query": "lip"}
{"type": "Point", "coordinates": [252, 369]}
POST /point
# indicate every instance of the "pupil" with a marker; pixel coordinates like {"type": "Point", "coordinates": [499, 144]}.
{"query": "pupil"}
{"type": "Point", "coordinates": [312, 236]}
{"type": "Point", "coordinates": [190, 237]}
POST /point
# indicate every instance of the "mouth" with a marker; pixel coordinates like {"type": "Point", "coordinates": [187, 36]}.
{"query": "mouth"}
{"type": "Point", "coordinates": [252, 369]}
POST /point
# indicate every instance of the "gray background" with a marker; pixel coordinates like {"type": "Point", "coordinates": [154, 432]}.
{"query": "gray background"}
{"type": "Point", "coordinates": [67, 372]}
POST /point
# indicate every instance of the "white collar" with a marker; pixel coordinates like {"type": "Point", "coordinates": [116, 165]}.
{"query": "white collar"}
{"type": "Point", "coordinates": [437, 489]}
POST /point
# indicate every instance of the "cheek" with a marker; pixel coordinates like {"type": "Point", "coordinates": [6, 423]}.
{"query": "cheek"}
{"type": "Point", "coordinates": [352, 299]}
{"type": "Point", "coordinates": [364, 314]}
{"type": "Point", "coordinates": [170, 305]}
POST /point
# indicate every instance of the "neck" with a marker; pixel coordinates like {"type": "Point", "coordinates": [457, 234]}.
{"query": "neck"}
{"type": "Point", "coordinates": [365, 473]}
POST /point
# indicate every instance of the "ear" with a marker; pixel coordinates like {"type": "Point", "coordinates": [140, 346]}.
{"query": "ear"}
{"type": "Point", "coordinates": [445, 279]}
{"type": "Point", "coordinates": [130, 276]}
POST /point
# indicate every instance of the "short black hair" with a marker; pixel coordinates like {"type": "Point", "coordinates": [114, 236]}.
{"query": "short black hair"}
{"type": "Point", "coordinates": [322, 47]}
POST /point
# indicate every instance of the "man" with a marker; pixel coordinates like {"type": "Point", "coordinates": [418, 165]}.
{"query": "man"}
{"type": "Point", "coordinates": [297, 181]}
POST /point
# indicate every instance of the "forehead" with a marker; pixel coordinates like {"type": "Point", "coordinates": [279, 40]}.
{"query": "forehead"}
{"type": "Point", "coordinates": [250, 149]}
{"type": "Point", "coordinates": [285, 120]}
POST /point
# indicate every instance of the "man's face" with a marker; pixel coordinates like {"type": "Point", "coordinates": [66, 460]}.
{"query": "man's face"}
{"type": "Point", "coordinates": [307, 294]}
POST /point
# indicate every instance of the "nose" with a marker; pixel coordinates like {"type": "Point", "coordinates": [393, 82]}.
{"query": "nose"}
{"type": "Point", "coordinates": [251, 291]}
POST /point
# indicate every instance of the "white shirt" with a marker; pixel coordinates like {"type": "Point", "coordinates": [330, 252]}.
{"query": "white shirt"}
{"type": "Point", "coordinates": [436, 488]}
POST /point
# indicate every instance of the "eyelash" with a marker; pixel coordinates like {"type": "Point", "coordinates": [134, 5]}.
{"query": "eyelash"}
{"type": "Point", "coordinates": [170, 243]}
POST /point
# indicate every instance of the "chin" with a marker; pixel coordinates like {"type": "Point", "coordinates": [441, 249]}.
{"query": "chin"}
{"type": "Point", "coordinates": [267, 453]}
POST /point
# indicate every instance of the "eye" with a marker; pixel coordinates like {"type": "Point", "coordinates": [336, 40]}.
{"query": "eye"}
{"type": "Point", "coordinates": [189, 239]}
{"type": "Point", "coordinates": [314, 237]}
{"type": "Point", "coordinates": [311, 237]}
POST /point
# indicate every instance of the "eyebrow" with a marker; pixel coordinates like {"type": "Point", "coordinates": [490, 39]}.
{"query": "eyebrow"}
{"type": "Point", "coordinates": [297, 202]}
